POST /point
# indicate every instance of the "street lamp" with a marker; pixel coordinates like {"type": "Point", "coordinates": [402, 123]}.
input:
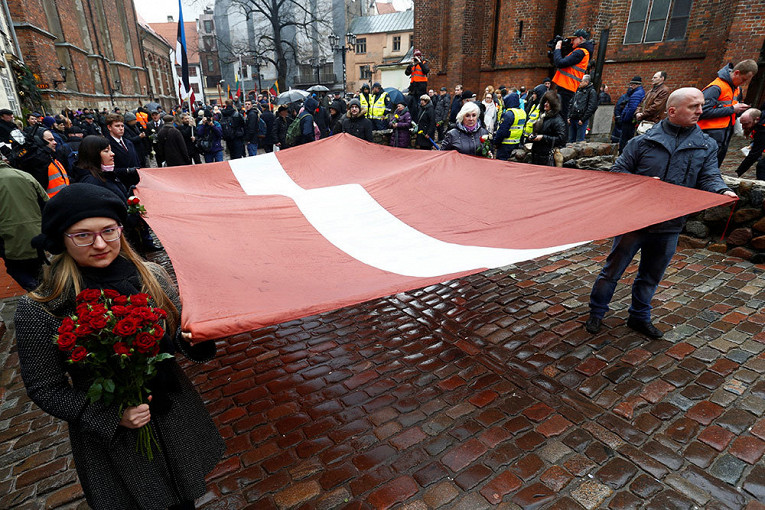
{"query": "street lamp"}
{"type": "Point", "coordinates": [318, 63]}
{"type": "Point", "coordinates": [256, 64]}
{"type": "Point", "coordinates": [350, 40]}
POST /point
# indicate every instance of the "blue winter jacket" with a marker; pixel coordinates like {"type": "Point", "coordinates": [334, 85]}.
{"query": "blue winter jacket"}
{"type": "Point", "coordinates": [635, 99]}
{"type": "Point", "coordinates": [683, 156]}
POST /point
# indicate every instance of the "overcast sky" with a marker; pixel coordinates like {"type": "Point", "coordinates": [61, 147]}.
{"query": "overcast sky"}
{"type": "Point", "coordinates": [157, 11]}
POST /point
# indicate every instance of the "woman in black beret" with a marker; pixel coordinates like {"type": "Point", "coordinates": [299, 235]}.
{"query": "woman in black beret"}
{"type": "Point", "coordinates": [82, 229]}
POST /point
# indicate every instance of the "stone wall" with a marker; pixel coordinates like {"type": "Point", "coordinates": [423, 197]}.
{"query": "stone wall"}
{"type": "Point", "coordinates": [745, 235]}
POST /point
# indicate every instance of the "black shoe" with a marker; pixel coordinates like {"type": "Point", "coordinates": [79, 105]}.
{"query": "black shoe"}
{"type": "Point", "coordinates": [644, 327]}
{"type": "Point", "coordinates": [593, 324]}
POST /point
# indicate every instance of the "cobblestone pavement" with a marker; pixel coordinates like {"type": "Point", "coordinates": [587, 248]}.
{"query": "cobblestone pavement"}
{"type": "Point", "coordinates": [480, 392]}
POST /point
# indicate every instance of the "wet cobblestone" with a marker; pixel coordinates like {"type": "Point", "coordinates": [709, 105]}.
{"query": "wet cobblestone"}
{"type": "Point", "coordinates": [481, 392]}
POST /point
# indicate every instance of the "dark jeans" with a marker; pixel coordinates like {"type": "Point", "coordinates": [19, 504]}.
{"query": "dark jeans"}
{"type": "Point", "coordinates": [25, 272]}
{"type": "Point", "coordinates": [565, 100]}
{"type": "Point", "coordinates": [656, 251]}
{"type": "Point", "coordinates": [628, 131]}
{"type": "Point", "coordinates": [235, 148]}
{"type": "Point", "coordinates": [211, 157]}
{"type": "Point", "coordinates": [576, 133]}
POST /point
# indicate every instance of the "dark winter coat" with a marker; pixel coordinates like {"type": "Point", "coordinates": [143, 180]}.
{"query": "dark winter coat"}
{"type": "Point", "coordinates": [583, 104]}
{"type": "Point", "coordinates": [683, 156]}
{"type": "Point", "coordinates": [133, 133]}
{"type": "Point", "coordinates": [636, 96]}
{"type": "Point", "coordinates": [462, 140]}
{"type": "Point", "coordinates": [171, 147]}
{"type": "Point", "coordinates": [124, 158]}
{"type": "Point", "coordinates": [269, 118]}
{"type": "Point", "coordinates": [400, 135]}
{"type": "Point", "coordinates": [426, 125]}
{"type": "Point", "coordinates": [252, 126]}
{"type": "Point", "coordinates": [111, 181]}
{"type": "Point", "coordinates": [214, 132]}
{"type": "Point", "coordinates": [360, 127]}
{"type": "Point", "coordinates": [236, 121]}
{"type": "Point", "coordinates": [112, 474]}
{"type": "Point", "coordinates": [280, 130]}
{"type": "Point", "coordinates": [553, 129]}
{"type": "Point", "coordinates": [187, 131]}
{"type": "Point", "coordinates": [443, 109]}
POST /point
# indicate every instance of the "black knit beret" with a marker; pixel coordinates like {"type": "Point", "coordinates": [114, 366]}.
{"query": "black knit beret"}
{"type": "Point", "coordinates": [74, 203]}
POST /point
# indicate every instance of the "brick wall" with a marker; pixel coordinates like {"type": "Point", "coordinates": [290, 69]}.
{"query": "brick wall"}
{"type": "Point", "coordinates": [79, 30]}
{"type": "Point", "coordinates": [457, 36]}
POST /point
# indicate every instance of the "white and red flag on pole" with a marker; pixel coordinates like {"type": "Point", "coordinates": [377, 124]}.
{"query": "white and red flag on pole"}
{"type": "Point", "coordinates": [182, 59]}
{"type": "Point", "coordinates": [261, 240]}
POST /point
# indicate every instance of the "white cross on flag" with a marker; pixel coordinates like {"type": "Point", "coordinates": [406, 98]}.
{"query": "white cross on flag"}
{"type": "Point", "coordinates": [261, 240]}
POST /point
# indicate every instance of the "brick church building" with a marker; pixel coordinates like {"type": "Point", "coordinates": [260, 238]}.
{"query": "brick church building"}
{"type": "Point", "coordinates": [494, 42]}
{"type": "Point", "coordinates": [89, 53]}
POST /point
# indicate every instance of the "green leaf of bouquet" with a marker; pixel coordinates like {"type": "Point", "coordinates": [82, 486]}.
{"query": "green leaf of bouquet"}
{"type": "Point", "coordinates": [109, 386]}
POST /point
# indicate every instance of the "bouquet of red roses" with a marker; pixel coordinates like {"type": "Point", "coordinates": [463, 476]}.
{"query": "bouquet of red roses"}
{"type": "Point", "coordinates": [117, 339]}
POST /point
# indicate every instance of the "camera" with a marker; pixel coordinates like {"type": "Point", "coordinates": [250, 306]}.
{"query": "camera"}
{"type": "Point", "coordinates": [565, 49]}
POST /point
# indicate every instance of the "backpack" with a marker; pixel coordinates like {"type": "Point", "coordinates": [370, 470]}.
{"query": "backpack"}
{"type": "Point", "coordinates": [227, 125]}
{"type": "Point", "coordinates": [294, 131]}
{"type": "Point", "coordinates": [204, 144]}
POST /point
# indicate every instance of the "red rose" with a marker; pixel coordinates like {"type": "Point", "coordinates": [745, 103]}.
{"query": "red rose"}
{"type": "Point", "coordinates": [157, 332]}
{"type": "Point", "coordinates": [98, 309]}
{"type": "Point", "coordinates": [143, 314]}
{"type": "Point", "coordinates": [121, 300]}
{"type": "Point", "coordinates": [133, 200]}
{"type": "Point", "coordinates": [98, 321]}
{"type": "Point", "coordinates": [66, 341]}
{"type": "Point", "coordinates": [139, 299]}
{"type": "Point", "coordinates": [110, 293]}
{"type": "Point", "coordinates": [67, 325]}
{"type": "Point", "coordinates": [160, 313]}
{"type": "Point", "coordinates": [125, 327]}
{"type": "Point", "coordinates": [144, 342]}
{"type": "Point", "coordinates": [83, 330]}
{"type": "Point", "coordinates": [120, 311]}
{"type": "Point", "coordinates": [79, 353]}
{"type": "Point", "coordinates": [121, 348]}
{"type": "Point", "coordinates": [89, 295]}
{"type": "Point", "coordinates": [156, 350]}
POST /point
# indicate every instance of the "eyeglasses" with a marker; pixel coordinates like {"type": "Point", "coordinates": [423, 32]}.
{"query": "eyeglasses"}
{"type": "Point", "coordinates": [109, 234]}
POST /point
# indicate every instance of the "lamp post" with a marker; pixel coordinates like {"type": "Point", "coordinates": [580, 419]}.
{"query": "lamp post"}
{"type": "Point", "coordinates": [350, 43]}
{"type": "Point", "coordinates": [258, 62]}
{"type": "Point", "coordinates": [317, 63]}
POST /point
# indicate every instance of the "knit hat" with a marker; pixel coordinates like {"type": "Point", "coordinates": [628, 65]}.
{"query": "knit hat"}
{"type": "Point", "coordinates": [74, 203]}
{"type": "Point", "coordinates": [129, 117]}
{"type": "Point", "coordinates": [49, 121]}
{"type": "Point", "coordinates": [582, 33]}
{"type": "Point", "coordinates": [637, 80]}
{"type": "Point", "coordinates": [354, 101]}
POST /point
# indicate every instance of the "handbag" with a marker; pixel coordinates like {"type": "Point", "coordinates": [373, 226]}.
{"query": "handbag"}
{"type": "Point", "coordinates": [644, 126]}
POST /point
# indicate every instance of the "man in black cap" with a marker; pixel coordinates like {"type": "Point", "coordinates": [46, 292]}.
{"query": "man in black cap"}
{"type": "Point", "coordinates": [89, 127]}
{"type": "Point", "coordinates": [6, 125]}
{"type": "Point", "coordinates": [626, 120]}
{"type": "Point", "coordinates": [571, 67]}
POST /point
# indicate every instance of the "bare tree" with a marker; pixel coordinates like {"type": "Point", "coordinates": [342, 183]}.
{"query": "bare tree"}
{"type": "Point", "coordinates": [279, 30]}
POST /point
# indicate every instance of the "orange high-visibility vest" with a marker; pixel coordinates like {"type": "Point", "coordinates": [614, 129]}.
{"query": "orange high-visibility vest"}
{"type": "Point", "coordinates": [142, 118]}
{"type": "Point", "coordinates": [417, 74]}
{"type": "Point", "coordinates": [57, 178]}
{"type": "Point", "coordinates": [727, 98]}
{"type": "Point", "coordinates": [569, 78]}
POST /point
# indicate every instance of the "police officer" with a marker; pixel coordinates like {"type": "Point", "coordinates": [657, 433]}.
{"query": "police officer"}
{"type": "Point", "coordinates": [510, 131]}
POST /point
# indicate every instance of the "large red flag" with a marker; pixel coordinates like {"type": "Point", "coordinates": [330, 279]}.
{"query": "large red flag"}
{"type": "Point", "coordinates": [261, 240]}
